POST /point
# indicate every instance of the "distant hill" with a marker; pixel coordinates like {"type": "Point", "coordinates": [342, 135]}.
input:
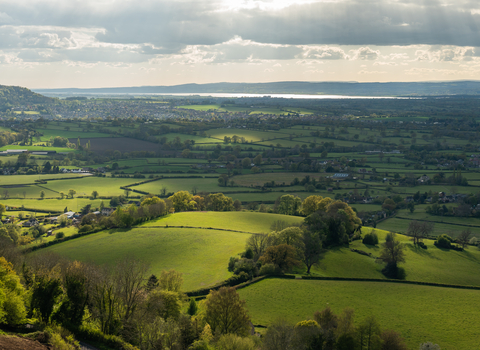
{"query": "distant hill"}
{"type": "Point", "coordinates": [11, 96]}
{"type": "Point", "coordinates": [292, 87]}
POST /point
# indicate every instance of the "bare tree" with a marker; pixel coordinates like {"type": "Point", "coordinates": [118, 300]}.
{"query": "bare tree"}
{"type": "Point", "coordinates": [464, 237]}
{"type": "Point", "coordinates": [130, 275]}
{"type": "Point", "coordinates": [419, 230]}
{"type": "Point", "coordinates": [258, 243]}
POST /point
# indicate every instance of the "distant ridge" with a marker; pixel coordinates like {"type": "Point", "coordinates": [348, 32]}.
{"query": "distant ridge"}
{"type": "Point", "coordinates": [18, 96]}
{"type": "Point", "coordinates": [295, 87]}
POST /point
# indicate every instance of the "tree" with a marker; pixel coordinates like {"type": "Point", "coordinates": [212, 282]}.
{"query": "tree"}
{"type": "Point", "coordinates": [464, 237]}
{"type": "Point", "coordinates": [283, 255]}
{"type": "Point", "coordinates": [12, 295]}
{"type": "Point", "coordinates": [2, 209]}
{"type": "Point", "coordinates": [392, 340]}
{"type": "Point", "coordinates": [392, 254]}
{"type": "Point", "coordinates": [237, 205]}
{"type": "Point", "coordinates": [95, 194]}
{"type": "Point", "coordinates": [289, 204]}
{"type": "Point", "coordinates": [192, 307]}
{"type": "Point", "coordinates": [368, 334]}
{"type": "Point", "coordinates": [257, 160]}
{"type": "Point", "coordinates": [62, 194]}
{"type": "Point", "coordinates": [226, 313]}
{"type": "Point", "coordinates": [411, 206]}
{"type": "Point", "coordinates": [246, 163]}
{"type": "Point", "coordinates": [312, 249]}
{"type": "Point", "coordinates": [182, 201]}
{"type": "Point", "coordinates": [279, 336]}
{"type": "Point", "coordinates": [71, 192]}
{"type": "Point", "coordinates": [419, 230]}
{"type": "Point", "coordinates": [311, 205]}
{"type": "Point", "coordinates": [171, 281]}
{"type": "Point", "coordinates": [258, 243]}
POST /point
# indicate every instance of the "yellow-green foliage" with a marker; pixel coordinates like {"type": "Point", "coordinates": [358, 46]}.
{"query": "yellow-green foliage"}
{"type": "Point", "coordinates": [12, 305]}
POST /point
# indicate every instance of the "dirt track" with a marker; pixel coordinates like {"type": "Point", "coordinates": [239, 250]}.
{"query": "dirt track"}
{"type": "Point", "coordinates": [16, 343]}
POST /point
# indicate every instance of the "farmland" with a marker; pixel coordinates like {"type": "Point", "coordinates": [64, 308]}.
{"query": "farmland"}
{"type": "Point", "coordinates": [201, 255]}
{"type": "Point", "coordinates": [396, 306]}
{"type": "Point", "coordinates": [393, 167]}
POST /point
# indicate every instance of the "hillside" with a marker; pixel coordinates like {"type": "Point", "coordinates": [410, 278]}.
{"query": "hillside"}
{"type": "Point", "coordinates": [11, 96]}
{"type": "Point", "coordinates": [297, 87]}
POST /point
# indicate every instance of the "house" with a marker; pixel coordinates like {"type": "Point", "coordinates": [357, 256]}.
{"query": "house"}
{"type": "Point", "coordinates": [339, 176]}
{"type": "Point", "coordinates": [69, 214]}
{"type": "Point", "coordinates": [107, 211]}
{"type": "Point", "coordinates": [30, 222]}
{"type": "Point", "coordinates": [423, 179]}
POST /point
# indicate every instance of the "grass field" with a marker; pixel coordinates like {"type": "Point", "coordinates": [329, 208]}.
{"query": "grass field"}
{"type": "Point", "coordinates": [201, 255]}
{"type": "Point", "coordinates": [54, 205]}
{"type": "Point", "coordinates": [37, 148]}
{"type": "Point", "coordinates": [174, 185]}
{"type": "Point", "coordinates": [279, 178]}
{"type": "Point", "coordinates": [48, 133]}
{"type": "Point", "coordinates": [85, 186]}
{"type": "Point", "coordinates": [445, 316]}
{"type": "Point", "coordinates": [240, 221]}
{"type": "Point", "coordinates": [30, 179]}
{"type": "Point", "coordinates": [431, 265]}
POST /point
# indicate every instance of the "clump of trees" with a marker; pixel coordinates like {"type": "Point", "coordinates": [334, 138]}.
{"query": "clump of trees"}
{"type": "Point", "coordinates": [330, 331]}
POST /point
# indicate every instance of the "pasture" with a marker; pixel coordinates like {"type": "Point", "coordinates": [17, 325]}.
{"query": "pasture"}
{"type": "Point", "coordinates": [122, 144]}
{"type": "Point", "coordinates": [419, 313]}
{"type": "Point", "coordinates": [201, 255]}
{"type": "Point", "coordinates": [252, 222]}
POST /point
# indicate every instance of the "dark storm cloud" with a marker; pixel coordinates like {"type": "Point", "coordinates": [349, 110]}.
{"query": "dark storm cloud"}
{"type": "Point", "coordinates": [165, 27]}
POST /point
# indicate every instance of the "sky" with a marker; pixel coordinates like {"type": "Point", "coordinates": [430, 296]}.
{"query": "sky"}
{"type": "Point", "coordinates": [110, 43]}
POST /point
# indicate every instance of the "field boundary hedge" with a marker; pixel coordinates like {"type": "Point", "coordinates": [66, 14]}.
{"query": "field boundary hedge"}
{"type": "Point", "coordinates": [438, 222]}
{"type": "Point", "coordinates": [353, 279]}
{"type": "Point", "coordinates": [197, 227]}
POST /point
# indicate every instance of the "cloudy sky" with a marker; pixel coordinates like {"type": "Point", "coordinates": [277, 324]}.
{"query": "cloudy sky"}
{"type": "Point", "coordinates": [102, 43]}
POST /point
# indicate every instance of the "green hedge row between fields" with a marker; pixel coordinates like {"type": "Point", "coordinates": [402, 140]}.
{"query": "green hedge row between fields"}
{"type": "Point", "coordinates": [352, 279]}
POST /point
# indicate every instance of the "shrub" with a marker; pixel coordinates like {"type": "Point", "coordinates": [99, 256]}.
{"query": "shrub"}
{"type": "Point", "coordinates": [370, 238]}
{"type": "Point", "coordinates": [267, 270]}
{"type": "Point", "coordinates": [85, 228]}
{"type": "Point", "coordinates": [444, 241]}
{"type": "Point", "coordinates": [237, 279]}
{"type": "Point", "coordinates": [422, 245]}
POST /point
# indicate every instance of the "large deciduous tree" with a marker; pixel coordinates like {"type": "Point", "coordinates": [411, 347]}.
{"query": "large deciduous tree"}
{"type": "Point", "coordinates": [283, 255]}
{"type": "Point", "coordinates": [393, 253]}
{"type": "Point", "coordinates": [226, 313]}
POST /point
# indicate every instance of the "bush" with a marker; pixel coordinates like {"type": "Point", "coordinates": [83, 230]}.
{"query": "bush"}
{"type": "Point", "coordinates": [422, 245]}
{"type": "Point", "coordinates": [59, 235]}
{"type": "Point", "coordinates": [267, 270]}
{"type": "Point", "coordinates": [85, 228]}
{"type": "Point", "coordinates": [444, 241]}
{"type": "Point", "coordinates": [370, 238]}
{"type": "Point", "coordinates": [237, 279]}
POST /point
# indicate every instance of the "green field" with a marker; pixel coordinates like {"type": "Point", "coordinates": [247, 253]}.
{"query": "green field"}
{"type": "Point", "coordinates": [105, 186]}
{"type": "Point", "coordinates": [54, 205]}
{"type": "Point", "coordinates": [239, 221]}
{"type": "Point", "coordinates": [37, 148]}
{"type": "Point", "coordinates": [430, 265]}
{"type": "Point", "coordinates": [175, 185]}
{"type": "Point", "coordinates": [48, 133]}
{"type": "Point", "coordinates": [445, 316]}
{"type": "Point", "coordinates": [201, 255]}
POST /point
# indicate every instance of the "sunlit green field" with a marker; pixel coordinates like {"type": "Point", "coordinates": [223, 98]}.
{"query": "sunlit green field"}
{"type": "Point", "coordinates": [240, 221]}
{"type": "Point", "coordinates": [444, 316]}
{"type": "Point", "coordinates": [201, 255]}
